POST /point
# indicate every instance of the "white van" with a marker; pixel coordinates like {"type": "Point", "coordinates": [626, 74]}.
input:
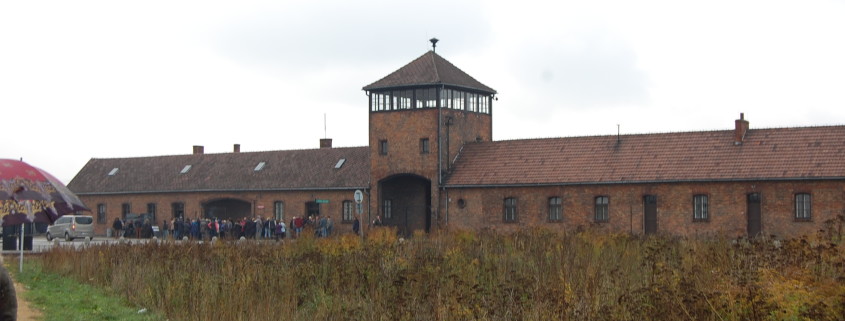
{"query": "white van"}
{"type": "Point", "coordinates": [71, 227]}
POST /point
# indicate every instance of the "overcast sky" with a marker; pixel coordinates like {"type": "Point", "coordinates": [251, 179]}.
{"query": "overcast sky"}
{"type": "Point", "coordinates": [106, 79]}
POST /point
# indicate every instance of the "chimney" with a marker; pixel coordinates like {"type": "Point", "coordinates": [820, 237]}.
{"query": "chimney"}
{"type": "Point", "coordinates": [198, 150]}
{"type": "Point", "coordinates": [237, 148]}
{"type": "Point", "coordinates": [741, 129]}
{"type": "Point", "coordinates": [325, 143]}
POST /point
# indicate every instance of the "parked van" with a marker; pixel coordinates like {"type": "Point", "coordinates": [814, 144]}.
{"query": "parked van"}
{"type": "Point", "coordinates": [71, 227]}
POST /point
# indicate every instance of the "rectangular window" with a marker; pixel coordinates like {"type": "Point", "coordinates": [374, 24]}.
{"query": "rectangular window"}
{"type": "Point", "coordinates": [700, 208]}
{"type": "Point", "coordinates": [424, 148]}
{"type": "Point", "coordinates": [101, 213]}
{"type": "Point", "coordinates": [601, 209]}
{"type": "Point", "coordinates": [555, 209]}
{"type": "Point", "coordinates": [458, 99]}
{"type": "Point", "coordinates": [484, 104]}
{"type": "Point", "coordinates": [382, 147]}
{"type": "Point", "coordinates": [348, 214]}
{"type": "Point", "coordinates": [151, 209]}
{"type": "Point", "coordinates": [386, 209]}
{"type": "Point", "coordinates": [279, 210]}
{"type": "Point", "coordinates": [510, 211]}
{"type": "Point", "coordinates": [178, 210]}
{"type": "Point", "coordinates": [125, 209]}
{"type": "Point", "coordinates": [425, 98]}
{"type": "Point", "coordinates": [803, 207]}
{"type": "Point", "coordinates": [312, 208]}
{"type": "Point", "coordinates": [446, 98]}
{"type": "Point", "coordinates": [403, 99]}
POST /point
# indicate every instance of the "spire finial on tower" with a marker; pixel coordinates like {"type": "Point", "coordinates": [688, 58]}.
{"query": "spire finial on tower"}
{"type": "Point", "coordinates": [433, 44]}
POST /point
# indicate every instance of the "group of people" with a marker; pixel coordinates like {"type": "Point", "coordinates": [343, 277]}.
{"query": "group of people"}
{"type": "Point", "coordinates": [132, 228]}
{"type": "Point", "coordinates": [205, 229]}
{"type": "Point", "coordinates": [323, 226]}
{"type": "Point", "coordinates": [208, 228]}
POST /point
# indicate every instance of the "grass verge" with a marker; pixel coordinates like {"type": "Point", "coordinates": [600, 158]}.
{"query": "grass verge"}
{"type": "Point", "coordinates": [63, 298]}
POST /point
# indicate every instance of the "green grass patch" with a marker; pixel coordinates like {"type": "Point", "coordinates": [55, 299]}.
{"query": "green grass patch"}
{"type": "Point", "coordinates": [63, 298]}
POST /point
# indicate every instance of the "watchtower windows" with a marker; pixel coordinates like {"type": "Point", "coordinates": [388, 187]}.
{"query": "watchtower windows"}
{"type": "Point", "coordinates": [484, 104]}
{"type": "Point", "coordinates": [380, 101]}
{"type": "Point", "coordinates": [425, 98]}
{"type": "Point", "coordinates": [472, 102]}
{"type": "Point", "coordinates": [429, 98]}
{"type": "Point", "coordinates": [402, 99]}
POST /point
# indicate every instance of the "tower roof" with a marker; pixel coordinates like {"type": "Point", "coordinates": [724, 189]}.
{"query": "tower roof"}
{"type": "Point", "coordinates": [429, 69]}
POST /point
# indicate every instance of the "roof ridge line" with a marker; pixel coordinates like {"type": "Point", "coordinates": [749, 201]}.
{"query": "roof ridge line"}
{"type": "Point", "coordinates": [434, 64]}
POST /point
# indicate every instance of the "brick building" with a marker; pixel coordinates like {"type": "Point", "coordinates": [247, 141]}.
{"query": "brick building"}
{"type": "Point", "coordinates": [431, 163]}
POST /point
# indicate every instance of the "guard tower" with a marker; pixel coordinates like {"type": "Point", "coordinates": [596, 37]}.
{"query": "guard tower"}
{"type": "Point", "coordinates": [420, 117]}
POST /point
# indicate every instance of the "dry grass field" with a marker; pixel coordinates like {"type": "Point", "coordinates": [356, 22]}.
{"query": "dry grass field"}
{"type": "Point", "coordinates": [531, 275]}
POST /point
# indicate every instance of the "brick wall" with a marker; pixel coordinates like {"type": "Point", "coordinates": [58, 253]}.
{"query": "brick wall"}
{"type": "Point", "coordinates": [727, 207]}
{"type": "Point", "coordinates": [294, 204]}
{"type": "Point", "coordinates": [403, 130]}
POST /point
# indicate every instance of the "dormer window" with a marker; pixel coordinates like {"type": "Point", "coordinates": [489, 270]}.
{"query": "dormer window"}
{"type": "Point", "coordinates": [340, 163]}
{"type": "Point", "coordinates": [260, 166]}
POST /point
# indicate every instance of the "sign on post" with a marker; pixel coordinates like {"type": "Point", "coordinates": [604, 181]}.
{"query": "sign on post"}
{"type": "Point", "coordinates": [359, 197]}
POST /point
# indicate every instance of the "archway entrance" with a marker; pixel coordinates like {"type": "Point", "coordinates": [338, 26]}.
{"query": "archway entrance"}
{"type": "Point", "coordinates": [227, 208]}
{"type": "Point", "coordinates": [405, 202]}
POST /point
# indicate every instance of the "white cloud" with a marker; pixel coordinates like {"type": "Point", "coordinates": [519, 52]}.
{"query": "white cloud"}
{"type": "Point", "coordinates": [89, 79]}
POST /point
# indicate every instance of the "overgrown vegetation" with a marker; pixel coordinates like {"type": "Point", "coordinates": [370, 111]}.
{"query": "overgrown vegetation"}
{"type": "Point", "coordinates": [64, 299]}
{"type": "Point", "coordinates": [530, 275]}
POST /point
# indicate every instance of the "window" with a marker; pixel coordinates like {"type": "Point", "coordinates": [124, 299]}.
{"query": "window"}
{"type": "Point", "coordinates": [601, 209]}
{"type": "Point", "coordinates": [380, 101]}
{"type": "Point", "coordinates": [312, 208]}
{"type": "Point", "coordinates": [260, 166]}
{"type": "Point", "coordinates": [484, 104]}
{"type": "Point", "coordinates": [403, 99]}
{"type": "Point", "coordinates": [126, 208]}
{"type": "Point", "coordinates": [101, 213]}
{"type": "Point", "coordinates": [510, 210]}
{"type": "Point", "coordinates": [425, 98]}
{"type": "Point", "coordinates": [185, 169]}
{"type": "Point", "coordinates": [178, 210]}
{"type": "Point", "coordinates": [348, 214]}
{"type": "Point", "coordinates": [340, 163]}
{"type": "Point", "coordinates": [382, 147]}
{"type": "Point", "coordinates": [113, 171]}
{"type": "Point", "coordinates": [279, 210]}
{"type": "Point", "coordinates": [424, 148]}
{"type": "Point", "coordinates": [555, 209]}
{"type": "Point", "coordinates": [151, 209]}
{"type": "Point", "coordinates": [386, 209]}
{"type": "Point", "coordinates": [700, 208]}
{"type": "Point", "coordinates": [803, 207]}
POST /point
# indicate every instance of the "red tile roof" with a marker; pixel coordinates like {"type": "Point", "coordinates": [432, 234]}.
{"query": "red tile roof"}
{"type": "Point", "coordinates": [780, 153]}
{"type": "Point", "coordinates": [429, 69]}
{"type": "Point", "coordinates": [283, 170]}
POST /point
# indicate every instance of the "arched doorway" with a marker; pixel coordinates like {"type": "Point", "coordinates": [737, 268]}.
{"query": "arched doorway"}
{"type": "Point", "coordinates": [227, 208]}
{"type": "Point", "coordinates": [405, 202]}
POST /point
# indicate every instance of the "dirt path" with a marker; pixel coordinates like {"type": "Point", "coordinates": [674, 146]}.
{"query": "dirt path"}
{"type": "Point", "coordinates": [25, 311]}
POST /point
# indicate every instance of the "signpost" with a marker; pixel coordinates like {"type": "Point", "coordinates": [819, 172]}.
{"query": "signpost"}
{"type": "Point", "coordinates": [359, 197]}
{"type": "Point", "coordinates": [359, 208]}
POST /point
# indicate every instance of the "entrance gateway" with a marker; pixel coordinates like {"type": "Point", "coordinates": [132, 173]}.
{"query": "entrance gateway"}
{"type": "Point", "coordinates": [405, 203]}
